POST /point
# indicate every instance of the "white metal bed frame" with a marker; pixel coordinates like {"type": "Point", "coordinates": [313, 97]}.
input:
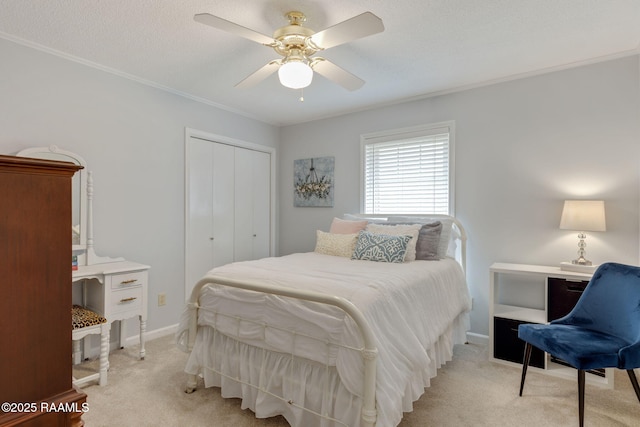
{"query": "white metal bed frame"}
{"type": "Point", "coordinates": [368, 350]}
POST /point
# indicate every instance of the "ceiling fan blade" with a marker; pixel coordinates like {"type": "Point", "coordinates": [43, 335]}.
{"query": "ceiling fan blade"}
{"type": "Point", "coordinates": [352, 29]}
{"type": "Point", "coordinates": [336, 74]}
{"type": "Point", "coordinates": [233, 28]}
{"type": "Point", "coordinates": [260, 75]}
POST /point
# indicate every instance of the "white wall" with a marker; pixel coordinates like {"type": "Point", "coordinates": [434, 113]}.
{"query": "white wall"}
{"type": "Point", "coordinates": [521, 148]}
{"type": "Point", "coordinates": [132, 137]}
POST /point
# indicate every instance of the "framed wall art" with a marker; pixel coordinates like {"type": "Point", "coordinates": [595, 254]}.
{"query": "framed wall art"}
{"type": "Point", "coordinates": [313, 182]}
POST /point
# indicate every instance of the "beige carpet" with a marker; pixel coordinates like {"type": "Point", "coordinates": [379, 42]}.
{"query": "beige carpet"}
{"type": "Point", "coordinates": [469, 391]}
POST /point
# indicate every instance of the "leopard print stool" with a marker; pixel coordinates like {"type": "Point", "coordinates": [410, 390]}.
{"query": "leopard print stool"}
{"type": "Point", "coordinates": [81, 317]}
{"type": "Point", "coordinates": [86, 322]}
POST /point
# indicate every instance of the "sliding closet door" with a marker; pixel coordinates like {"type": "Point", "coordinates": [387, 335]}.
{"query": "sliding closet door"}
{"type": "Point", "coordinates": [252, 204]}
{"type": "Point", "coordinates": [229, 206]}
{"type": "Point", "coordinates": [210, 207]}
{"type": "Point", "coordinates": [261, 205]}
{"type": "Point", "coordinates": [222, 214]}
{"type": "Point", "coordinates": [199, 208]}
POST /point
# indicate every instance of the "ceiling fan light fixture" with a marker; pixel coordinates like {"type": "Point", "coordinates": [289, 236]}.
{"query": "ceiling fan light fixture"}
{"type": "Point", "coordinates": [295, 74]}
{"type": "Point", "coordinates": [297, 46]}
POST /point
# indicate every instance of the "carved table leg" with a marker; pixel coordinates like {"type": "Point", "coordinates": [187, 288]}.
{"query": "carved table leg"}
{"type": "Point", "coordinates": [104, 355]}
{"type": "Point", "coordinates": [123, 332]}
{"type": "Point", "coordinates": [143, 330]}
{"type": "Point", "coordinates": [77, 353]}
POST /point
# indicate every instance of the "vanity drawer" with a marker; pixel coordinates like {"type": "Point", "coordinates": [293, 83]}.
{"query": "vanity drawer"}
{"type": "Point", "coordinates": [126, 300]}
{"type": "Point", "coordinates": [128, 280]}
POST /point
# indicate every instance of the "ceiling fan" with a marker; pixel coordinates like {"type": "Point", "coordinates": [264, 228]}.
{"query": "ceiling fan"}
{"type": "Point", "coordinates": [297, 45]}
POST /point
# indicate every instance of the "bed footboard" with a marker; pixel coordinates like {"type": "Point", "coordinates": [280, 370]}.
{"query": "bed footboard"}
{"type": "Point", "coordinates": [192, 383]}
{"type": "Point", "coordinates": [368, 351]}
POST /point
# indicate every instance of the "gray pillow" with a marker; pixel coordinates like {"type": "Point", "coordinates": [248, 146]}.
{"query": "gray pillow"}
{"type": "Point", "coordinates": [445, 234]}
{"type": "Point", "coordinates": [428, 241]}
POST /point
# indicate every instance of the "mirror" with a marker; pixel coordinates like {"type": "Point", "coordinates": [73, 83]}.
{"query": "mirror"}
{"type": "Point", "coordinates": [79, 189]}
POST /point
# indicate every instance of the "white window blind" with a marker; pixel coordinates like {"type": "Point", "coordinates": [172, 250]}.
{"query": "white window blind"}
{"type": "Point", "coordinates": [407, 171]}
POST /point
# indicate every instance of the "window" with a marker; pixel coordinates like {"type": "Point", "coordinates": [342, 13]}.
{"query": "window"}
{"type": "Point", "coordinates": [408, 171]}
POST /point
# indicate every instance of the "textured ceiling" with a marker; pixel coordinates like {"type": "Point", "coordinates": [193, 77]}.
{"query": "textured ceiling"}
{"type": "Point", "coordinates": [428, 46]}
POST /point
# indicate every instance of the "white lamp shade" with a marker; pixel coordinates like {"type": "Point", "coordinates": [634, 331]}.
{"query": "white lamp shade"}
{"type": "Point", "coordinates": [583, 215]}
{"type": "Point", "coordinates": [295, 74]}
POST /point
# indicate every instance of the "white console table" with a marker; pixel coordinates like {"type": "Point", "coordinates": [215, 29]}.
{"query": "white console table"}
{"type": "Point", "coordinates": [118, 291]}
{"type": "Point", "coordinates": [521, 293]}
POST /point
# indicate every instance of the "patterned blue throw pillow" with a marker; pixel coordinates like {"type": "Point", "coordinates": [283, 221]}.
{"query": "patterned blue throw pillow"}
{"type": "Point", "coordinates": [380, 247]}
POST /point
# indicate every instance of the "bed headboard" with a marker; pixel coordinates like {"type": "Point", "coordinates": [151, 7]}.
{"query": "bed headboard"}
{"type": "Point", "coordinates": [457, 239]}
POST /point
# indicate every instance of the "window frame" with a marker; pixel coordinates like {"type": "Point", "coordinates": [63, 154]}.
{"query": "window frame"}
{"type": "Point", "coordinates": [405, 133]}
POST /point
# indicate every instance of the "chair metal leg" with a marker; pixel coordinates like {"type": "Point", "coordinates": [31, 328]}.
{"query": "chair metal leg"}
{"type": "Point", "coordinates": [581, 396]}
{"type": "Point", "coordinates": [525, 365]}
{"type": "Point", "coordinates": [634, 382]}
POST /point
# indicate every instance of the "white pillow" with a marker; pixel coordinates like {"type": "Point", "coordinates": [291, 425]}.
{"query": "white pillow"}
{"type": "Point", "coordinates": [400, 230]}
{"type": "Point", "coordinates": [351, 217]}
{"type": "Point", "coordinates": [445, 234]}
{"type": "Point", "coordinates": [335, 244]}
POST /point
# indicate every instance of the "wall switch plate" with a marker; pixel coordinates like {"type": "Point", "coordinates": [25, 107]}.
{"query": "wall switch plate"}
{"type": "Point", "coordinates": [162, 299]}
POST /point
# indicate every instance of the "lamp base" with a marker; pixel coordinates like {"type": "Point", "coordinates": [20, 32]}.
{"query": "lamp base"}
{"type": "Point", "coordinates": [578, 268]}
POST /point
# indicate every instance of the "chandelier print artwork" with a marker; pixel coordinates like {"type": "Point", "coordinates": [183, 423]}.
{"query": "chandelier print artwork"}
{"type": "Point", "coordinates": [313, 182]}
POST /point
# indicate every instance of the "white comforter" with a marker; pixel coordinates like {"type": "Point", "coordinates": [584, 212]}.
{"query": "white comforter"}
{"type": "Point", "coordinates": [409, 307]}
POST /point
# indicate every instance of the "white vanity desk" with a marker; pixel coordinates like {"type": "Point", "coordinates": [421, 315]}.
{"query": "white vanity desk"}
{"type": "Point", "coordinates": [112, 287]}
{"type": "Point", "coordinates": [117, 290]}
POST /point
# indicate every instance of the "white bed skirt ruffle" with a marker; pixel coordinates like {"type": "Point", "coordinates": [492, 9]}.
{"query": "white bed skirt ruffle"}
{"type": "Point", "coordinates": [312, 385]}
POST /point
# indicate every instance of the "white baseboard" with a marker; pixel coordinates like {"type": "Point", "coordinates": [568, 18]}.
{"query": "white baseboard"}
{"type": "Point", "coordinates": [478, 339]}
{"type": "Point", "coordinates": [94, 346]}
{"type": "Point", "coordinates": [150, 335]}
{"type": "Point", "coordinates": [472, 337]}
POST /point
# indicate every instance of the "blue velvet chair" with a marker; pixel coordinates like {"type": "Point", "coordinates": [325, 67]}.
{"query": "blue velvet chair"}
{"type": "Point", "coordinates": [602, 330]}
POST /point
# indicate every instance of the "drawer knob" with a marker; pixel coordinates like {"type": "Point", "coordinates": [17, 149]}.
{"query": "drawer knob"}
{"type": "Point", "coordinates": [128, 299]}
{"type": "Point", "coordinates": [127, 282]}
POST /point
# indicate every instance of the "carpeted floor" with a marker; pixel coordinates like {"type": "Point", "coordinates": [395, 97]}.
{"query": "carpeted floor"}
{"type": "Point", "coordinates": [468, 391]}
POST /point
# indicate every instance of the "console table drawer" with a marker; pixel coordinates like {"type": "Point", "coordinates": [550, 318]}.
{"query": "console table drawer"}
{"type": "Point", "coordinates": [128, 280]}
{"type": "Point", "coordinates": [563, 295]}
{"type": "Point", "coordinates": [523, 293]}
{"type": "Point", "coordinates": [126, 300]}
{"type": "Point", "coordinates": [507, 345]}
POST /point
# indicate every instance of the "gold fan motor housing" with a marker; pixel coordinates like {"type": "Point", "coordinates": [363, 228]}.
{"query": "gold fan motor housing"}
{"type": "Point", "coordinates": [294, 36]}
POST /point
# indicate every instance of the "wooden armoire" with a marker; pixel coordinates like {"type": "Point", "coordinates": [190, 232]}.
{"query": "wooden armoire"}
{"type": "Point", "coordinates": [35, 294]}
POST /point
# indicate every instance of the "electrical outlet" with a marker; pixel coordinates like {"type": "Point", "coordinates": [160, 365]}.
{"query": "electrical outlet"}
{"type": "Point", "coordinates": [162, 299]}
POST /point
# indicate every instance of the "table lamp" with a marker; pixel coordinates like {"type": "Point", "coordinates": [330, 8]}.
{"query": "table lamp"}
{"type": "Point", "coordinates": [581, 216]}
